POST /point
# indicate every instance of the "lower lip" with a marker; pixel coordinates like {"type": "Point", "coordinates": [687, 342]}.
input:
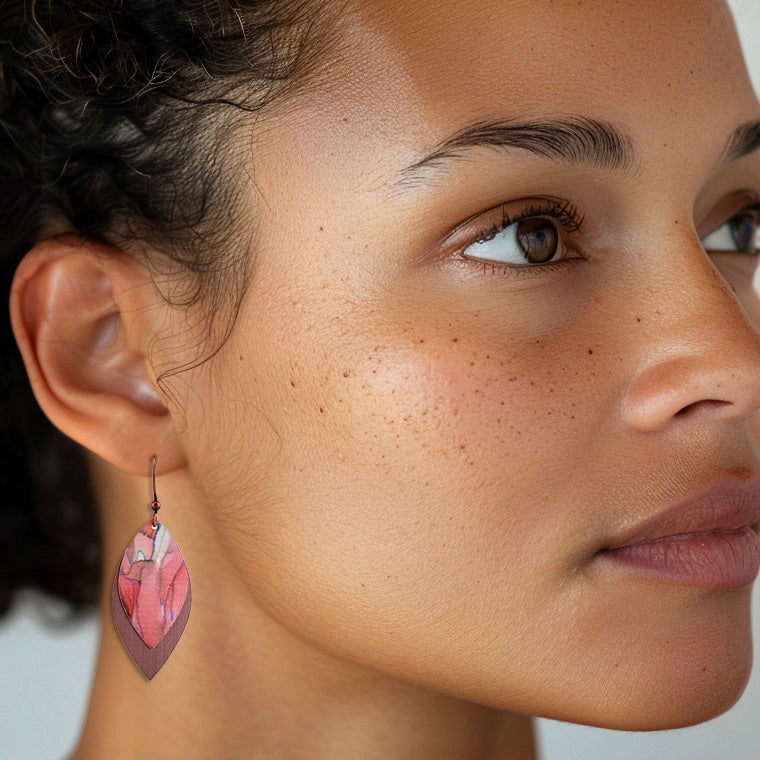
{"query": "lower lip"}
{"type": "Point", "coordinates": [714, 560]}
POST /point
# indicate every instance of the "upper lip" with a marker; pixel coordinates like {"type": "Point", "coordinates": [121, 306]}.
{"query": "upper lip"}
{"type": "Point", "coordinates": [723, 506]}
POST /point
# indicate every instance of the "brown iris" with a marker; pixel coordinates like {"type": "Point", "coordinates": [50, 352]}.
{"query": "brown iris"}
{"type": "Point", "coordinates": [538, 239]}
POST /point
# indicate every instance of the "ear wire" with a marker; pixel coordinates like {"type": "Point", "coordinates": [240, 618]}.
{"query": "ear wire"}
{"type": "Point", "coordinates": [155, 505]}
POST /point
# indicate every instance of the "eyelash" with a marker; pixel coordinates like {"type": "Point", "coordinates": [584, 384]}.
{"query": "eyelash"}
{"type": "Point", "coordinates": [563, 211]}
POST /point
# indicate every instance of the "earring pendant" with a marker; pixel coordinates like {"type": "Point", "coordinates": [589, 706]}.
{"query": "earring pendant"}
{"type": "Point", "coordinates": [151, 596]}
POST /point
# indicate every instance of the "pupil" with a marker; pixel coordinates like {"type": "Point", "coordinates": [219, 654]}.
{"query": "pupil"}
{"type": "Point", "coordinates": [538, 238]}
{"type": "Point", "coordinates": [744, 232]}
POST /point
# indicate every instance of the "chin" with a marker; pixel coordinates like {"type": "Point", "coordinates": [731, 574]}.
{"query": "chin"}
{"type": "Point", "coordinates": [684, 709]}
{"type": "Point", "coordinates": [679, 671]}
{"type": "Point", "coordinates": [660, 705]}
{"type": "Point", "coordinates": [670, 661]}
{"type": "Point", "coordinates": [695, 704]}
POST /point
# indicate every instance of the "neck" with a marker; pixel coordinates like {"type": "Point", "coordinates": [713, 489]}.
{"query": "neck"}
{"type": "Point", "coordinates": [239, 685]}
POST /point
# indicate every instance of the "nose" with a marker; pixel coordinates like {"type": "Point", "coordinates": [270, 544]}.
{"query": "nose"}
{"type": "Point", "coordinates": [701, 355]}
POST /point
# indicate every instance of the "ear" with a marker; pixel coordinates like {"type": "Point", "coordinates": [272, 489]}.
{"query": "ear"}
{"type": "Point", "coordinates": [82, 330]}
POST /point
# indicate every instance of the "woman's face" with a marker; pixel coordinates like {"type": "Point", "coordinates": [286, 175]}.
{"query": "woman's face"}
{"type": "Point", "coordinates": [417, 443]}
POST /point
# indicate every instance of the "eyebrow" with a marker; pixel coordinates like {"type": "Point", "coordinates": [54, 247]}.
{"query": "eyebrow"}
{"type": "Point", "coordinates": [575, 140]}
{"type": "Point", "coordinates": [744, 140]}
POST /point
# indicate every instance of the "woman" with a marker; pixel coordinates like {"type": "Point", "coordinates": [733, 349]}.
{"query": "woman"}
{"type": "Point", "coordinates": [437, 322]}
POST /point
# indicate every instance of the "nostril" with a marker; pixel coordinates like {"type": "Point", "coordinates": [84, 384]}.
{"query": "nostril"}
{"type": "Point", "coordinates": [701, 405]}
{"type": "Point", "coordinates": [693, 385]}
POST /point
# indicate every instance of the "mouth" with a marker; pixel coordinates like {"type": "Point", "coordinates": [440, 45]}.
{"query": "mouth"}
{"type": "Point", "coordinates": [708, 541]}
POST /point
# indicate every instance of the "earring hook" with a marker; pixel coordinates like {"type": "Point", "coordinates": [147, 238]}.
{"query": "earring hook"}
{"type": "Point", "coordinates": [155, 505]}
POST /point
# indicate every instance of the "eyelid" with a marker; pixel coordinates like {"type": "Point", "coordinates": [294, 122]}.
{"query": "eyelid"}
{"type": "Point", "coordinates": [510, 212]}
{"type": "Point", "coordinates": [725, 237]}
{"type": "Point", "coordinates": [727, 209]}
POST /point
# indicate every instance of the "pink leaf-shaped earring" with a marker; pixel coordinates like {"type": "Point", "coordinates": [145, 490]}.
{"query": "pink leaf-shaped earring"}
{"type": "Point", "coordinates": [151, 593]}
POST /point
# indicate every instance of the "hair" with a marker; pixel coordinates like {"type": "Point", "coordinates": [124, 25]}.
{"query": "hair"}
{"type": "Point", "coordinates": [117, 122]}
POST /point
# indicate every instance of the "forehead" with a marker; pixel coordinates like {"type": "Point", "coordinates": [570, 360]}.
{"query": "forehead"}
{"type": "Point", "coordinates": [429, 66]}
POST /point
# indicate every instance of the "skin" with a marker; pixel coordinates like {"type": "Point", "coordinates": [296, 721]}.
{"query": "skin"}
{"type": "Point", "coordinates": [391, 482]}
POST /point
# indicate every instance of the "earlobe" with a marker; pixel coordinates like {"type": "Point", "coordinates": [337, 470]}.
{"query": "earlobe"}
{"type": "Point", "coordinates": [85, 358]}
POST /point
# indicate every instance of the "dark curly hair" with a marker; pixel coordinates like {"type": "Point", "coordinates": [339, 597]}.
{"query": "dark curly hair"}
{"type": "Point", "coordinates": [117, 121]}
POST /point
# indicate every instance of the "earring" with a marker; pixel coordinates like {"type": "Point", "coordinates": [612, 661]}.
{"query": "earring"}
{"type": "Point", "coordinates": [151, 596]}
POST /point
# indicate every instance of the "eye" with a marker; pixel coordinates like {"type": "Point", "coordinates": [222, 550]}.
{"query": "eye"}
{"type": "Point", "coordinates": [529, 241]}
{"type": "Point", "coordinates": [521, 235]}
{"type": "Point", "coordinates": [741, 234]}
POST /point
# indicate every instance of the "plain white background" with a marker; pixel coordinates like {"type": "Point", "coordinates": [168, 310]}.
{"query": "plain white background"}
{"type": "Point", "coordinates": [45, 673]}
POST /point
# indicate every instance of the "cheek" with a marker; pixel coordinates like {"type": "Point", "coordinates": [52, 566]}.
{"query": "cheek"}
{"type": "Point", "coordinates": [410, 475]}
{"type": "Point", "coordinates": [402, 529]}
{"type": "Point", "coordinates": [455, 415]}
{"type": "Point", "coordinates": [439, 426]}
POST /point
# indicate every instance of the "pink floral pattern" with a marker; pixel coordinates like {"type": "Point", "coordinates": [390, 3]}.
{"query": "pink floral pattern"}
{"type": "Point", "coordinates": [153, 582]}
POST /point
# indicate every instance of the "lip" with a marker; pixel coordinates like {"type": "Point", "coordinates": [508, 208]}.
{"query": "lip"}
{"type": "Point", "coordinates": [707, 541]}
